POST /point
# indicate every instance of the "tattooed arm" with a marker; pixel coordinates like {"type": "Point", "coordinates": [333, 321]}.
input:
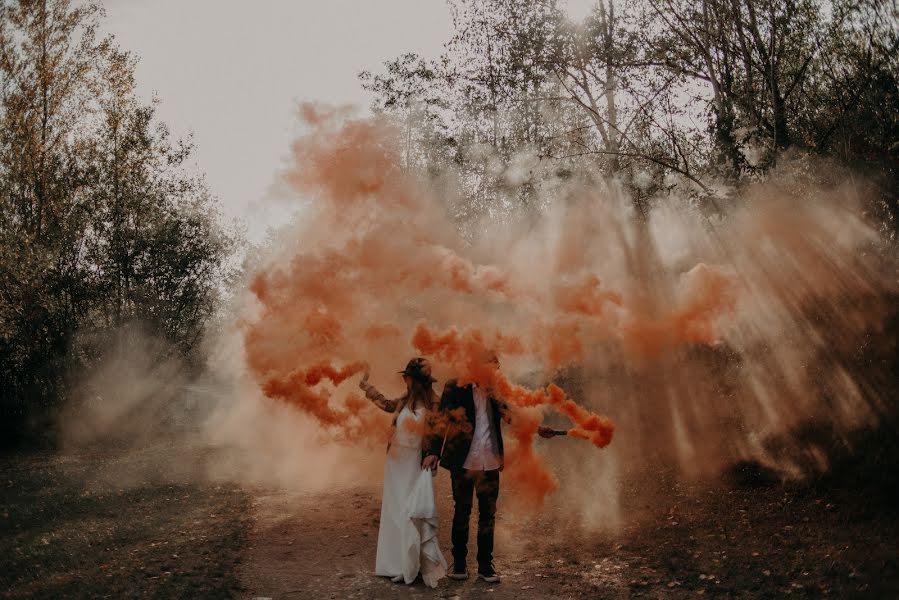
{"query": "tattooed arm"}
{"type": "Point", "coordinates": [379, 400]}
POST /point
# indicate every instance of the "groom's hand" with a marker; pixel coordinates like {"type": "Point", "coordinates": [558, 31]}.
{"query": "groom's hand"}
{"type": "Point", "coordinates": [547, 432]}
{"type": "Point", "coordinates": [430, 462]}
{"type": "Point", "coordinates": [364, 379]}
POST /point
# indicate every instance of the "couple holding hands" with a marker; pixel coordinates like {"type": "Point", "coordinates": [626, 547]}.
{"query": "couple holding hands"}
{"type": "Point", "coordinates": [460, 431]}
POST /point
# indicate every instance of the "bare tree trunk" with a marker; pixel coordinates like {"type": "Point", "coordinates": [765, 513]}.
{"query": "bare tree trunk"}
{"type": "Point", "coordinates": [40, 188]}
{"type": "Point", "coordinates": [778, 108]}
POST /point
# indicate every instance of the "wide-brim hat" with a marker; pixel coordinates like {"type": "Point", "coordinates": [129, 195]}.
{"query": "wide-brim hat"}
{"type": "Point", "coordinates": [419, 368]}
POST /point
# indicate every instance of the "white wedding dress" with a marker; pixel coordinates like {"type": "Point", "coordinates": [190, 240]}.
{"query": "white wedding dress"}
{"type": "Point", "coordinates": [407, 537]}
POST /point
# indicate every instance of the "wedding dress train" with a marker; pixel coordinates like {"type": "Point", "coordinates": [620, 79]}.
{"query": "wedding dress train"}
{"type": "Point", "coordinates": [407, 537]}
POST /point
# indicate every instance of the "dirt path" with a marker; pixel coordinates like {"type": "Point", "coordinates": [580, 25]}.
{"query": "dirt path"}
{"type": "Point", "coordinates": [727, 542]}
{"type": "Point", "coordinates": [111, 526]}
{"type": "Point", "coordinates": [323, 546]}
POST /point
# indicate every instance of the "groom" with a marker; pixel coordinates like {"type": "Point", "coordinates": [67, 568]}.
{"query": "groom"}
{"type": "Point", "coordinates": [471, 449]}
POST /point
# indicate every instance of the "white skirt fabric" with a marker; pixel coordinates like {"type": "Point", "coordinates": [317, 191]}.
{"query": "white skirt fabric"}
{"type": "Point", "coordinates": [407, 537]}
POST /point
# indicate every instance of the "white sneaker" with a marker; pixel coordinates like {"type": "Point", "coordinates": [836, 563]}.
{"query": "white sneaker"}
{"type": "Point", "coordinates": [458, 575]}
{"type": "Point", "coordinates": [397, 579]}
{"type": "Point", "coordinates": [489, 575]}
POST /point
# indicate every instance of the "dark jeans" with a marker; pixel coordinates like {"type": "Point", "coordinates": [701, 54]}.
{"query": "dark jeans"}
{"type": "Point", "coordinates": [484, 484]}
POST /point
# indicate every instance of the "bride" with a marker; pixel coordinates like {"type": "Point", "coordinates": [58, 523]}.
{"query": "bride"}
{"type": "Point", "coordinates": [407, 537]}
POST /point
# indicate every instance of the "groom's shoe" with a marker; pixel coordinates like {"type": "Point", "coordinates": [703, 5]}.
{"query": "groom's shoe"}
{"type": "Point", "coordinates": [488, 574]}
{"type": "Point", "coordinates": [459, 572]}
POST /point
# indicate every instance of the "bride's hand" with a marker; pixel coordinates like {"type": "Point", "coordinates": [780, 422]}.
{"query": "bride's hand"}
{"type": "Point", "coordinates": [430, 462]}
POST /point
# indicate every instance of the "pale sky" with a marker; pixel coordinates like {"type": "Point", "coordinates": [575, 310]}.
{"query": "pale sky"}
{"type": "Point", "coordinates": [233, 72]}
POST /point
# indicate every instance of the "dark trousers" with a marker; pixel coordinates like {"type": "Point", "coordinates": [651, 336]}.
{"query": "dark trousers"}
{"type": "Point", "coordinates": [485, 485]}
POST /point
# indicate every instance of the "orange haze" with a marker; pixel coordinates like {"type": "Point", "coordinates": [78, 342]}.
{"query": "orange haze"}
{"type": "Point", "coordinates": [700, 334]}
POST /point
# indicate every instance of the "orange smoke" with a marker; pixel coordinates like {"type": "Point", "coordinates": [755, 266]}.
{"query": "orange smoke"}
{"type": "Point", "coordinates": [378, 272]}
{"type": "Point", "coordinates": [301, 388]}
{"type": "Point", "coordinates": [360, 164]}
{"type": "Point", "coordinates": [467, 353]}
{"type": "Point", "coordinates": [585, 297]}
{"type": "Point", "coordinates": [709, 294]}
{"type": "Point", "coordinates": [525, 470]}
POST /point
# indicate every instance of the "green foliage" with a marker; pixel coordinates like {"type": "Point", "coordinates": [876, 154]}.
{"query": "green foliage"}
{"type": "Point", "coordinates": [101, 224]}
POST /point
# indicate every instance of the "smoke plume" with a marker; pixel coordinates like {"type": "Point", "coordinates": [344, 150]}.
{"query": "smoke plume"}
{"type": "Point", "coordinates": [697, 339]}
{"type": "Point", "coordinates": [664, 337]}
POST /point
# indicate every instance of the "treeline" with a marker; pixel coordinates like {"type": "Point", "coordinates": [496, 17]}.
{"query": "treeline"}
{"type": "Point", "coordinates": [690, 96]}
{"type": "Point", "coordinates": [102, 223]}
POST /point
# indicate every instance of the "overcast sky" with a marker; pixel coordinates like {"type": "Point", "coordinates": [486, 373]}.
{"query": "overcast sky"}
{"type": "Point", "coordinates": [232, 72]}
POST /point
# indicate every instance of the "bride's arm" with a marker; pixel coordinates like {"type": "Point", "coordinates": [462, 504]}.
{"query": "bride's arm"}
{"type": "Point", "coordinates": [379, 400]}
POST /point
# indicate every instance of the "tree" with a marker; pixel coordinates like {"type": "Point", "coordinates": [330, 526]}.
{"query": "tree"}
{"type": "Point", "coordinates": [664, 94]}
{"type": "Point", "coordinates": [414, 90]}
{"type": "Point", "coordinates": [100, 222]}
{"type": "Point", "coordinates": [47, 56]}
{"type": "Point", "coordinates": [775, 69]}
